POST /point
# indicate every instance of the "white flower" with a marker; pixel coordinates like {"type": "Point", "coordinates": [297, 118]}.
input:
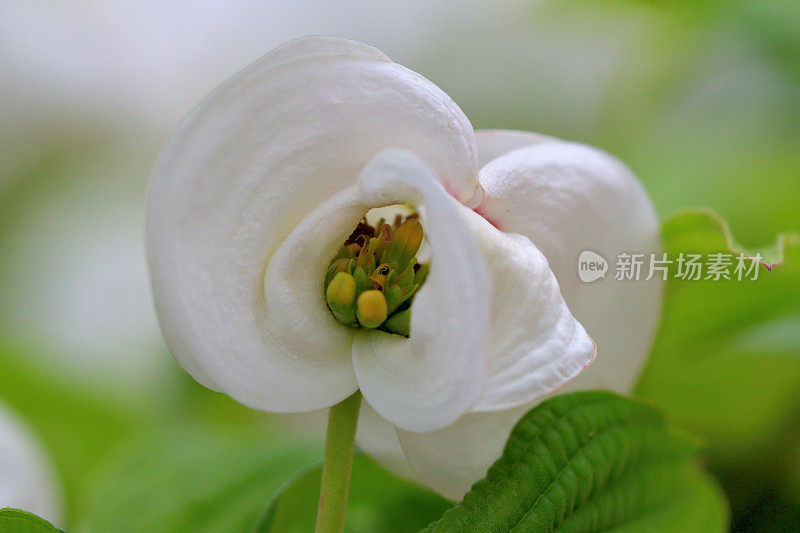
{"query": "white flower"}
{"type": "Point", "coordinates": [26, 476]}
{"type": "Point", "coordinates": [264, 180]}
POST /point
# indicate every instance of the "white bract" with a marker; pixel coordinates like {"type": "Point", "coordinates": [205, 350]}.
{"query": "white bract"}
{"type": "Point", "coordinates": [262, 183]}
{"type": "Point", "coordinates": [27, 481]}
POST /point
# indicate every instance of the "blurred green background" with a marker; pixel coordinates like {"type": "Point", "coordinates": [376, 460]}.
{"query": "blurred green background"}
{"type": "Point", "coordinates": [701, 99]}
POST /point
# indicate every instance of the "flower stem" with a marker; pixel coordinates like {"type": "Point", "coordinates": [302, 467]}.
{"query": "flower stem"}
{"type": "Point", "coordinates": [337, 465]}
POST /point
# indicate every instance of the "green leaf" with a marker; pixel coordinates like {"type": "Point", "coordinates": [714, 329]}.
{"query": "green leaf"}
{"type": "Point", "coordinates": [726, 361]}
{"type": "Point", "coordinates": [591, 461]}
{"type": "Point", "coordinates": [379, 502]}
{"type": "Point", "coordinates": [16, 521]}
{"type": "Point", "coordinates": [195, 480]}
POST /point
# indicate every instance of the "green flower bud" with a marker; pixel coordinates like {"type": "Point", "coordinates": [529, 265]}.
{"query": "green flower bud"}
{"type": "Point", "coordinates": [371, 309]}
{"type": "Point", "coordinates": [399, 323]}
{"type": "Point", "coordinates": [405, 244]}
{"type": "Point", "coordinates": [363, 283]}
{"type": "Point", "coordinates": [366, 257]}
{"type": "Point", "coordinates": [336, 266]}
{"type": "Point", "coordinates": [394, 297]}
{"type": "Point", "coordinates": [383, 239]}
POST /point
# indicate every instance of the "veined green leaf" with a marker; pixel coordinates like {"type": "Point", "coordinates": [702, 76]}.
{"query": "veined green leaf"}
{"type": "Point", "coordinates": [16, 521]}
{"type": "Point", "coordinates": [591, 461]}
{"type": "Point", "coordinates": [379, 502]}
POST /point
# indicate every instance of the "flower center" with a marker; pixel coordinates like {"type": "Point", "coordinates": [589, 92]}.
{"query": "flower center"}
{"type": "Point", "coordinates": [373, 278]}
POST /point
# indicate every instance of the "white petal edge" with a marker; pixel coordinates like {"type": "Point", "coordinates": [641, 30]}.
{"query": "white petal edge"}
{"type": "Point", "coordinates": [452, 459]}
{"type": "Point", "coordinates": [252, 161]}
{"type": "Point", "coordinates": [27, 479]}
{"type": "Point", "coordinates": [429, 380]}
{"type": "Point", "coordinates": [567, 197]}
{"type": "Point", "coordinates": [494, 143]}
{"type": "Point", "coordinates": [302, 360]}
{"type": "Point", "coordinates": [536, 345]}
{"type": "Point", "coordinates": [378, 438]}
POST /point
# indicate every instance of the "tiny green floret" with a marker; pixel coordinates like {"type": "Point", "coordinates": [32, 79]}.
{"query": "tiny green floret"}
{"type": "Point", "coordinates": [371, 281]}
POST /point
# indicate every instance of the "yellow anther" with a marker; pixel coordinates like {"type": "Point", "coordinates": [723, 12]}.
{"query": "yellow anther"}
{"type": "Point", "coordinates": [371, 309]}
{"type": "Point", "coordinates": [342, 290]}
{"type": "Point", "coordinates": [341, 295]}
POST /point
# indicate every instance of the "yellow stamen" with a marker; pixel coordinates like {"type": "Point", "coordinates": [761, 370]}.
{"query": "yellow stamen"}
{"type": "Point", "coordinates": [342, 289]}
{"type": "Point", "coordinates": [371, 309]}
{"type": "Point", "coordinates": [340, 294]}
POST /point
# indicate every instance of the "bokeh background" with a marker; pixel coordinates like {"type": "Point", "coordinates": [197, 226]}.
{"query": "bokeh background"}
{"type": "Point", "coordinates": [700, 98]}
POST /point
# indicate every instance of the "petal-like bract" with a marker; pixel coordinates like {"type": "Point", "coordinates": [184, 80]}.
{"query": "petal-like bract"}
{"type": "Point", "coordinates": [452, 459]}
{"type": "Point", "coordinates": [252, 163]}
{"type": "Point", "coordinates": [429, 380]}
{"type": "Point", "coordinates": [536, 346]}
{"type": "Point", "coordinates": [566, 198]}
